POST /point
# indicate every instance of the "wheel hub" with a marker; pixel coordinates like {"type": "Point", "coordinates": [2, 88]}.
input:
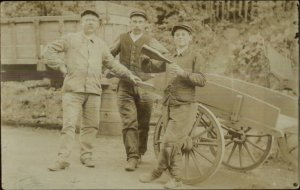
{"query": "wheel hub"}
{"type": "Point", "coordinates": [237, 136]}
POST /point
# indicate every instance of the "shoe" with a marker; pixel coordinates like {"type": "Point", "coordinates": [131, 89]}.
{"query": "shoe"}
{"type": "Point", "coordinates": [131, 164]}
{"type": "Point", "coordinates": [59, 166]}
{"type": "Point", "coordinates": [172, 184]}
{"type": "Point", "coordinates": [147, 177]}
{"type": "Point", "coordinates": [88, 162]}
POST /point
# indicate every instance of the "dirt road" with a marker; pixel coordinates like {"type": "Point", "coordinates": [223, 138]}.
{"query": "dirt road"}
{"type": "Point", "coordinates": [27, 152]}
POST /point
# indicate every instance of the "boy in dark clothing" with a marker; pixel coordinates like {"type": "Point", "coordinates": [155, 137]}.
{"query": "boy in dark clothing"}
{"type": "Point", "coordinates": [180, 109]}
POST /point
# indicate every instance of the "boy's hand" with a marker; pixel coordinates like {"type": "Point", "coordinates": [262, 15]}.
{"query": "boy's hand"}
{"type": "Point", "coordinates": [175, 69]}
{"type": "Point", "coordinates": [134, 78]}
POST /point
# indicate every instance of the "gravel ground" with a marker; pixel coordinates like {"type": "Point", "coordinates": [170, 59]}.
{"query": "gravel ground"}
{"type": "Point", "coordinates": [28, 151]}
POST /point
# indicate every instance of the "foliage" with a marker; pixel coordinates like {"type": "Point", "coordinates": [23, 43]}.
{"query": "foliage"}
{"type": "Point", "coordinates": [249, 62]}
{"type": "Point", "coordinates": [276, 28]}
{"type": "Point", "coordinates": [275, 22]}
{"type": "Point", "coordinates": [42, 8]}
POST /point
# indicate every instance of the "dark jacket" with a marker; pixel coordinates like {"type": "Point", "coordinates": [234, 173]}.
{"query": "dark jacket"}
{"type": "Point", "coordinates": [130, 52]}
{"type": "Point", "coordinates": [181, 89]}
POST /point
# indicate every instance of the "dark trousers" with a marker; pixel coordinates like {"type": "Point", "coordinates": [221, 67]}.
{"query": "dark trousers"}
{"type": "Point", "coordinates": [135, 106]}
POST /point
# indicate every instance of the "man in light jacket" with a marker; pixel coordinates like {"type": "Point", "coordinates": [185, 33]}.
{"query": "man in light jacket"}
{"type": "Point", "coordinates": [84, 54]}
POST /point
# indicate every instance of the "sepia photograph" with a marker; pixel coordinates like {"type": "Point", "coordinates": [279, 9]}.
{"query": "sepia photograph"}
{"type": "Point", "coordinates": [150, 94]}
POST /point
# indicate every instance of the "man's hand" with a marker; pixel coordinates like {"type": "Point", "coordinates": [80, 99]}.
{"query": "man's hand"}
{"type": "Point", "coordinates": [175, 69]}
{"type": "Point", "coordinates": [134, 78]}
{"type": "Point", "coordinates": [63, 70]}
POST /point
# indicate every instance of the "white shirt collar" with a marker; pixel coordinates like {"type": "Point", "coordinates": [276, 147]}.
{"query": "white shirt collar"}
{"type": "Point", "coordinates": [135, 37]}
{"type": "Point", "coordinates": [180, 50]}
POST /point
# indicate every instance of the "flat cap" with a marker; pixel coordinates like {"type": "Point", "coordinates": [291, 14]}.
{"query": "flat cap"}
{"type": "Point", "coordinates": [182, 26]}
{"type": "Point", "coordinates": [138, 13]}
{"type": "Point", "coordinates": [89, 12]}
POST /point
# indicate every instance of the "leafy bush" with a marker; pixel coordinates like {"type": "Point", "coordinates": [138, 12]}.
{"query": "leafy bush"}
{"type": "Point", "coordinates": [250, 62]}
{"type": "Point", "coordinates": [275, 21]}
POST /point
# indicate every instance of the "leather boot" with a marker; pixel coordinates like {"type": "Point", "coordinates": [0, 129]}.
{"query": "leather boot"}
{"type": "Point", "coordinates": [131, 164]}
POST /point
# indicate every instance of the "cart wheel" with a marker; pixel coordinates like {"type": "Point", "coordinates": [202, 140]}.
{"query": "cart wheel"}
{"type": "Point", "coordinates": [245, 149]}
{"type": "Point", "coordinates": [288, 146]}
{"type": "Point", "coordinates": [198, 162]}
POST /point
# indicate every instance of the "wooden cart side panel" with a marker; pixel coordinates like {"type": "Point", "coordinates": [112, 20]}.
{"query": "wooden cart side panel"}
{"type": "Point", "coordinates": [26, 41]}
{"type": "Point", "coordinates": [224, 98]}
{"type": "Point", "coordinates": [49, 31]}
{"type": "Point", "coordinates": [23, 39]}
{"type": "Point", "coordinates": [7, 45]}
{"type": "Point", "coordinates": [217, 96]}
{"type": "Point", "coordinates": [288, 105]}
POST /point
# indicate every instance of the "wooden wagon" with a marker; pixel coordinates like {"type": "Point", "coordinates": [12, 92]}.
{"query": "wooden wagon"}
{"type": "Point", "coordinates": [236, 125]}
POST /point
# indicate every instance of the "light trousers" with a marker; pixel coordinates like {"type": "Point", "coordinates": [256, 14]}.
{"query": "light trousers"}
{"type": "Point", "coordinates": [87, 106]}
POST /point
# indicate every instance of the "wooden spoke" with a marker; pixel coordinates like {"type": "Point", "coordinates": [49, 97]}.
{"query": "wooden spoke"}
{"type": "Point", "coordinates": [255, 145]}
{"type": "Point", "coordinates": [194, 149]}
{"type": "Point", "coordinates": [206, 143]}
{"type": "Point", "coordinates": [213, 133]}
{"type": "Point", "coordinates": [250, 154]}
{"type": "Point", "coordinates": [227, 144]}
{"type": "Point", "coordinates": [205, 123]}
{"type": "Point", "coordinates": [195, 161]}
{"type": "Point", "coordinates": [240, 155]}
{"type": "Point", "coordinates": [251, 135]}
{"type": "Point", "coordinates": [203, 132]}
{"type": "Point", "coordinates": [292, 149]}
{"type": "Point", "coordinates": [232, 150]}
{"type": "Point", "coordinates": [196, 124]}
{"type": "Point", "coordinates": [186, 165]}
{"type": "Point", "coordinates": [200, 115]}
{"type": "Point", "coordinates": [207, 139]}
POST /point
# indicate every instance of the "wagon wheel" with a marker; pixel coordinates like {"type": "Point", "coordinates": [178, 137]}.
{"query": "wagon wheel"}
{"type": "Point", "coordinates": [245, 149]}
{"type": "Point", "coordinates": [288, 146]}
{"type": "Point", "coordinates": [198, 162]}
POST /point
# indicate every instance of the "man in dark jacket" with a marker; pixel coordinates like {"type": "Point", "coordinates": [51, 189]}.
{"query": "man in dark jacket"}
{"type": "Point", "coordinates": [135, 105]}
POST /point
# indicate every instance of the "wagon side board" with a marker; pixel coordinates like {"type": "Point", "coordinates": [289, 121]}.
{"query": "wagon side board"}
{"type": "Point", "coordinates": [23, 39]}
{"type": "Point", "coordinates": [252, 112]}
{"type": "Point", "coordinates": [288, 105]}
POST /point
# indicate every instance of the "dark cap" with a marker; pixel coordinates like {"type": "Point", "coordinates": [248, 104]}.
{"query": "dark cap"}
{"type": "Point", "coordinates": [138, 13]}
{"type": "Point", "coordinates": [182, 26]}
{"type": "Point", "coordinates": [89, 12]}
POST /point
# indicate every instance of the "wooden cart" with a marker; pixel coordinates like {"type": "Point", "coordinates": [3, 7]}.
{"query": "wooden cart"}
{"type": "Point", "coordinates": [236, 125]}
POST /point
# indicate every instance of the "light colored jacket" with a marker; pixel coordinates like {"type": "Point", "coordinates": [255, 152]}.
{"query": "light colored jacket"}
{"type": "Point", "coordinates": [84, 59]}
